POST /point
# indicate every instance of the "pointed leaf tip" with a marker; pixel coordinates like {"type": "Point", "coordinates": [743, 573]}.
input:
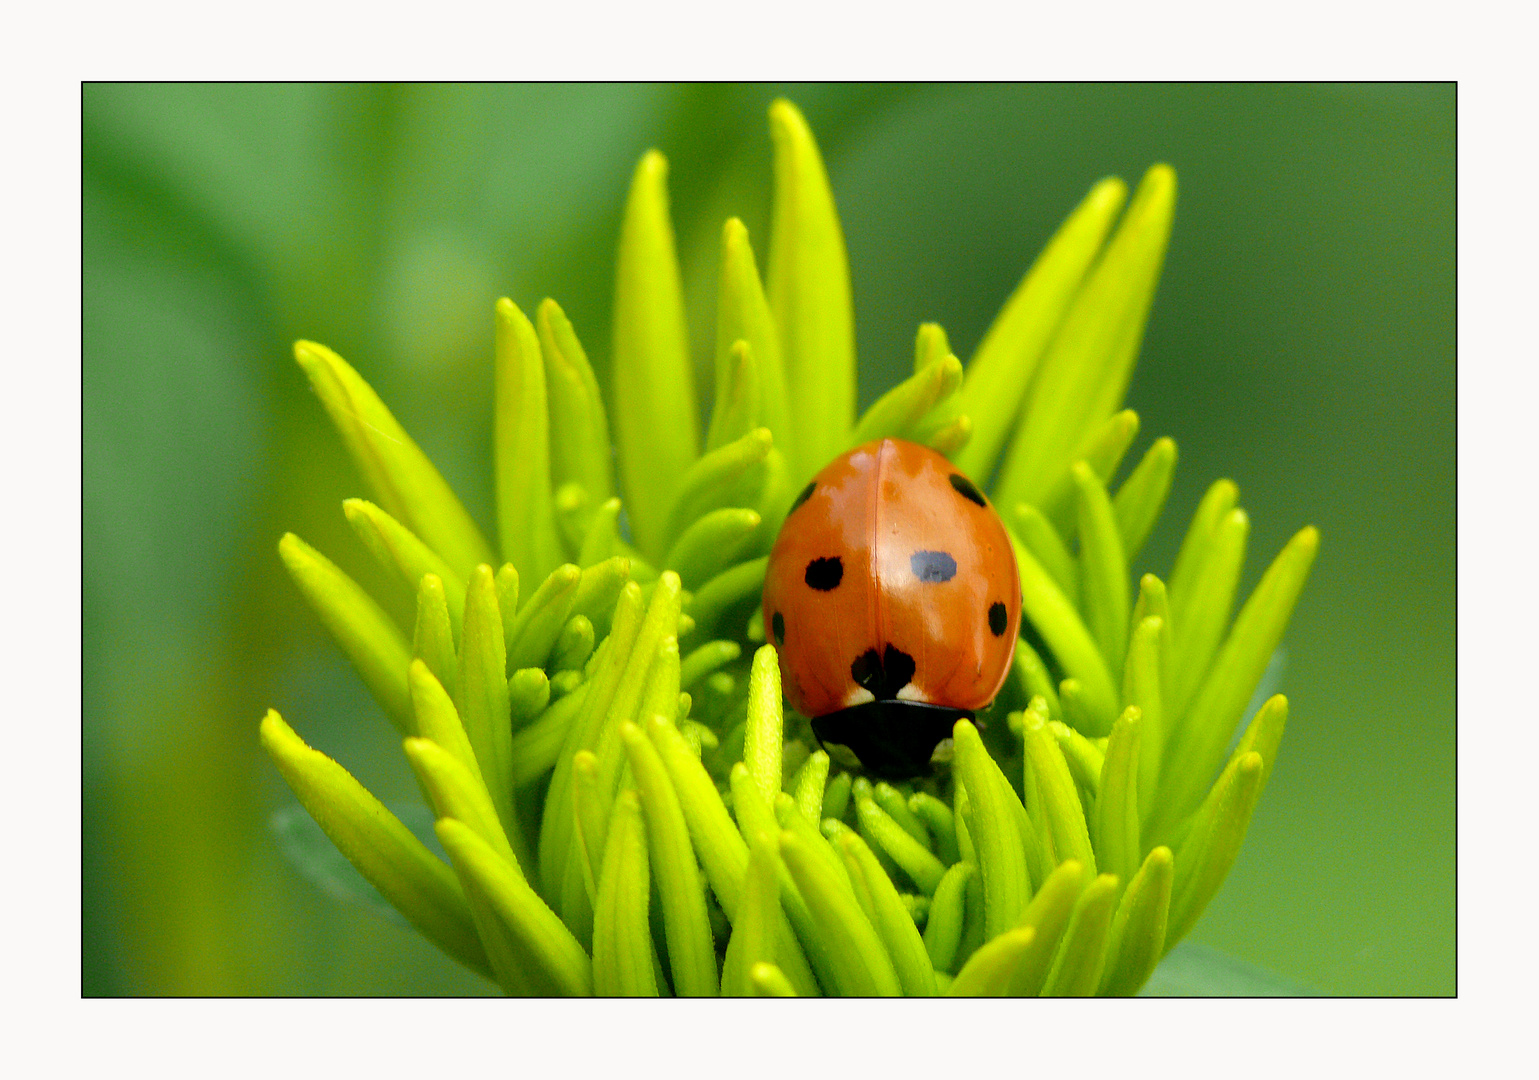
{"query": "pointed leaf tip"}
{"type": "Point", "coordinates": [399, 474]}
{"type": "Point", "coordinates": [656, 431]}
{"type": "Point", "coordinates": [808, 284]}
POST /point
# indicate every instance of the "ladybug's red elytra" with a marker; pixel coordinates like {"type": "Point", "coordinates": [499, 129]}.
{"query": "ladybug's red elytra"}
{"type": "Point", "coordinates": [893, 599]}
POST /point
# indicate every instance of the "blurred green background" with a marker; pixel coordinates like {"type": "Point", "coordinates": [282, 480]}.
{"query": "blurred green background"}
{"type": "Point", "coordinates": [1302, 343]}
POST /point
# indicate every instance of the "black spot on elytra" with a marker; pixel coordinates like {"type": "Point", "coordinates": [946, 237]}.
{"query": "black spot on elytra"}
{"type": "Point", "coordinates": [998, 618]}
{"type": "Point", "coordinates": [825, 574]}
{"type": "Point", "coordinates": [778, 624]}
{"type": "Point", "coordinates": [932, 566]}
{"type": "Point", "coordinates": [803, 497]}
{"type": "Point", "coordinates": [967, 489]}
{"type": "Point", "coordinates": [885, 674]}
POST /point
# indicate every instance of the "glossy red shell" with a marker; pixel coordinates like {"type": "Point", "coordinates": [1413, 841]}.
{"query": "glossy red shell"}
{"type": "Point", "coordinates": [925, 567]}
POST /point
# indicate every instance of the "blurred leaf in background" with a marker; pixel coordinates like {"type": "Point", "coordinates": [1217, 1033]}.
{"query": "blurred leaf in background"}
{"type": "Point", "coordinates": [1302, 344]}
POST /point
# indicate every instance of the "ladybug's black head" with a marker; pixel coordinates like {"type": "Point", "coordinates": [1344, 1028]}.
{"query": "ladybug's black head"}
{"type": "Point", "coordinates": [893, 739]}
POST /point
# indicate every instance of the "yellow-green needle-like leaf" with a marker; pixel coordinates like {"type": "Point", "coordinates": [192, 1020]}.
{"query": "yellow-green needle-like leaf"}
{"type": "Point", "coordinates": [808, 284]}
{"type": "Point", "coordinates": [1086, 368]}
{"type": "Point", "coordinates": [656, 431]}
{"type": "Point", "coordinates": [483, 700]}
{"type": "Point", "coordinates": [1213, 843]}
{"type": "Point", "coordinates": [459, 793]}
{"type": "Point", "coordinates": [995, 830]}
{"type": "Point", "coordinates": [898, 413]}
{"type": "Point", "coordinates": [573, 645]}
{"type": "Point", "coordinates": [1077, 713]}
{"type": "Point", "coordinates": [768, 488]}
{"type": "Point", "coordinates": [400, 476]}
{"type": "Point", "coordinates": [1060, 626]}
{"type": "Point", "coordinates": [947, 439]}
{"type": "Point", "coordinates": [943, 929]}
{"type": "Point", "coordinates": [551, 957]}
{"type": "Point", "coordinates": [521, 447]}
{"type": "Point", "coordinates": [764, 734]}
{"type": "Point", "coordinates": [536, 747]}
{"type": "Point", "coordinates": [358, 624]}
{"type": "Point", "coordinates": [541, 618]}
{"type": "Point", "coordinates": [660, 696]}
{"type": "Point", "coordinates": [729, 593]}
{"type": "Point", "coordinates": [809, 784]}
{"type": "Point", "coordinates": [1001, 370]}
{"type": "Point", "coordinates": [963, 813]}
{"type": "Point", "coordinates": [706, 659]}
{"type": "Point", "coordinates": [579, 429]}
{"type": "Point", "coordinates": [1046, 545]}
{"type": "Point", "coordinates": [836, 797]}
{"type": "Point", "coordinates": [891, 800]}
{"type": "Point", "coordinates": [1205, 615]}
{"type": "Point", "coordinates": [743, 314]}
{"type": "Point", "coordinates": [1154, 602]}
{"type": "Point", "coordinates": [574, 511]}
{"type": "Point", "coordinates": [793, 755]}
{"type": "Point", "coordinates": [528, 694]}
{"type": "Point", "coordinates": [988, 971]}
{"type": "Point", "coordinates": [507, 582]}
{"type": "Point", "coordinates": [1141, 497]}
{"type": "Point", "coordinates": [861, 964]}
{"type": "Point", "coordinates": [699, 737]}
{"type": "Point", "coordinates": [401, 553]}
{"type": "Point", "coordinates": [563, 683]}
{"type": "Point", "coordinates": [754, 929]}
{"type": "Point", "coordinates": [1082, 957]}
{"type": "Point", "coordinates": [912, 857]}
{"type": "Point", "coordinates": [712, 544]}
{"type": "Point", "coordinates": [691, 952]}
{"type": "Point", "coordinates": [1048, 914]}
{"type": "Point", "coordinates": [767, 980]}
{"type": "Point", "coordinates": [373, 839]}
{"type": "Point", "coordinates": [1116, 805]}
{"type": "Point", "coordinates": [433, 637]}
{"type": "Point", "coordinates": [1141, 688]}
{"type": "Point", "coordinates": [736, 411]}
{"type": "Point", "coordinates": [602, 537]}
{"type": "Point", "coordinates": [1193, 555]}
{"type": "Point", "coordinates": [592, 806]}
{"type": "Point", "coordinates": [438, 720]}
{"type": "Point", "coordinates": [1264, 735]}
{"type": "Point", "coordinates": [1035, 680]}
{"type": "Point", "coordinates": [931, 345]}
{"type": "Point", "coordinates": [598, 589]}
{"type": "Point", "coordinates": [890, 917]}
{"type": "Point", "coordinates": [862, 789]}
{"type": "Point", "coordinates": [622, 940]}
{"type": "Point", "coordinates": [631, 692]}
{"type": "Point", "coordinates": [1103, 568]}
{"type": "Point", "coordinates": [1084, 758]}
{"type": "Point", "coordinates": [1138, 929]}
{"type": "Point", "coordinates": [1102, 451]}
{"type": "Point", "coordinates": [820, 841]}
{"type": "Point", "coordinates": [582, 734]}
{"type": "Point", "coordinates": [1195, 749]}
{"type": "Point", "coordinates": [715, 481]}
{"type": "Point", "coordinates": [721, 848]}
{"type": "Point", "coordinates": [1060, 806]}
{"type": "Point", "coordinates": [939, 821]}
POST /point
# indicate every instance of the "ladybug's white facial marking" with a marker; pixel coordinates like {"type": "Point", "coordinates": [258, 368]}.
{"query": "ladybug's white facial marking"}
{"type": "Point", "coordinates": [858, 695]}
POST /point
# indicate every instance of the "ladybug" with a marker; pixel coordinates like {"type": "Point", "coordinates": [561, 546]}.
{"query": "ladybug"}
{"type": "Point", "coordinates": [893, 600]}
